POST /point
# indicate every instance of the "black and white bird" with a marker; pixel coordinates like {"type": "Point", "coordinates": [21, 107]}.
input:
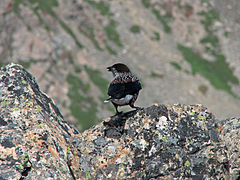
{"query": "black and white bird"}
{"type": "Point", "coordinates": [124, 88]}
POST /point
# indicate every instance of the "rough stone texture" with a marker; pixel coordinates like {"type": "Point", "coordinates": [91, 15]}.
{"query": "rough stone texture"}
{"type": "Point", "coordinates": [230, 133]}
{"type": "Point", "coordinates": [161, 141]}
{"type": "Point", "coordinates": [30, 35]}
{"type": "Point", "coordinates": [34, 140]}
{"type": "Point", "coordinates": [158, 142]}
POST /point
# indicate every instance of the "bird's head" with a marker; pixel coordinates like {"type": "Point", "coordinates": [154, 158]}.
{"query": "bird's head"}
{"type": "Point", "coordinates": [118, 68]}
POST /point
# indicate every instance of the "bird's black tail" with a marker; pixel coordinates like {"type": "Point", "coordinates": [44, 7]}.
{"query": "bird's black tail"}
{"type": "Point", "coordinates": [108, 100]}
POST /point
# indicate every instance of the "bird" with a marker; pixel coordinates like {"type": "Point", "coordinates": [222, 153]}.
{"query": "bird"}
{"type": "Point", "coordinates": [124, 88]}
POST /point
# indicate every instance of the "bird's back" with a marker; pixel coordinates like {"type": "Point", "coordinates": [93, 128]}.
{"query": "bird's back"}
{"type": "Point", "coordinates": [126, 84]}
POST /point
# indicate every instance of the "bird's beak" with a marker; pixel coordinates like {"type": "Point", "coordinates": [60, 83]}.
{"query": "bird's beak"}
{"type": "Point", "coordinates": [109, 68]}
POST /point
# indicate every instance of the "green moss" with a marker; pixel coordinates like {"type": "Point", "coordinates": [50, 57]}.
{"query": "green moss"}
{"type": "Point", "coordinates": [164, 139]}
{"type": "Point", "coordinates": [188, 171]}
{"type": "Point", "coordinates": [38, 108]}
{"type": "Point", "coordinates": [25, 158]}
{"type": "Point", "coordinates": [189, 7]}
{"type": "Point", "coordinates": [209, 18]}
{"type": "Point", "coordinates": [112, 33]}
{"type": "Point", "coordinates": [146, 3]}
{"type": "Point", "coordinates": [163, 19]}
{"type": "Point", "coordinates": [64, 104]}
{"type": "Point", "coordinates": [35, 11]}
{"type": "Point", "coordinates": [69, 31]}
{"type": "Point", "coordinates": [135, 29]}
{"type": "Point", "coordinates": [203, 89]}
{"type": "Point", "coordinates": [4, 102]}
{"type": "Point", "coordinates": [200, 117]}
{"type": "Point", "coordinates": [16, 4]}
{"type": "Point", "coordinates": [89, 33]}
{"type": "Point", "coordinates": [101, 83]}
{"type": "Point", "coordinates": [24, 82]}
{"type": "Point", "coordinates": [179, 3]}
{"type": "Point", "coordinates": [68, 149]}
{"type": "Point", "coordinates": [176, 65]}
{"type": "Point", "coordinates": [88, 176]}
{"type": "Point", "coordinates": [168, 16]}
{"type": "Point", "coordinates": [70, 58]}
{"type": "Point", "coordinates": [44, 6]}
{"type": "Point", "coordinates": [109, 49]}
{"type": "Point", "coordinates": [76, 82]}
{"type": "Point", "coordinates": [186, 71]}
{"type": "Point", "coordinates": [42, 126]}
{"type": "Point", "coordinates": [27, 64]}
{"type": "Point", "coordinates": [187, 163]}
{"type": "Point", "coordinates": [226, 34]}
{"type": "Point", "coordinates": [101, 6]}
{"type": "Point", "coordinates": [217, 72]}
{"type": "Point", "coordinates": [156, 36]}
{"type": "Point", "coordinates": [77, 69]}
{"type": "Point", "coordinates": [98, 80]}
{"type": "Point", "coordinates": [20, 166]}
{"type": "Point", "coordinates": [82, 106]}
{"type": "Point", "coordinates": [191, 142]}
{"type": "Point", "coordinates": [155, 75]}
{"type": "Point", "coordinates": [211, 38]}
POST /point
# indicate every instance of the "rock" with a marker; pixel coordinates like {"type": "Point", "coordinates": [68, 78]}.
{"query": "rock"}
{"type": "Point", "coordinates": [161, 141]}
{"type": "Point", "coordinates": [34, 139]}
{"type": "Point", "coordinates": [230, 133]}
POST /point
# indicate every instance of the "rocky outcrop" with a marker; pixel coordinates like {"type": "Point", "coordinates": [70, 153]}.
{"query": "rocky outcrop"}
{"type": "Point", "coordinates": [160, 141]}
{"type": "Point", "coordinates": [34, 140]}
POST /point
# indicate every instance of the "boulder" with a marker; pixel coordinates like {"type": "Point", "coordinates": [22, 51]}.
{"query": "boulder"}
{"type": "Point", "coordinates": [160, 141]}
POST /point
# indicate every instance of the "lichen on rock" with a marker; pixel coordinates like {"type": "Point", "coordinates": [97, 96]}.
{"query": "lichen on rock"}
{"type": "Point", "coordinates": [34, 138]}
{"type": "Point", "coordinates": [160, 141]}
{"type": "Point", "coordinates": [230, 133]}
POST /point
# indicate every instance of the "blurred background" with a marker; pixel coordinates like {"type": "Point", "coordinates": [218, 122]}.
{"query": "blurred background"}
{"type": "Point", "coordinates": [183, 51]}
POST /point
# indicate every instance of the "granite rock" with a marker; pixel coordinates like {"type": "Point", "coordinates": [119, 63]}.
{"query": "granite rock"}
{"type": "Point", "coordinates": [34, 139]}
{"type": "Point", "coordinates": [160, 141]}
{"type": "Point", "coordinates": [230, 133]}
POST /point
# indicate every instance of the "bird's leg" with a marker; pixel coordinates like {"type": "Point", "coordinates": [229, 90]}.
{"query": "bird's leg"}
{"type": "Point", "coordinates": [133, 101]}
{"type": "Point", "coordinates": [116, 107]}
{"type": "Point", "coordinates": [136, 107]}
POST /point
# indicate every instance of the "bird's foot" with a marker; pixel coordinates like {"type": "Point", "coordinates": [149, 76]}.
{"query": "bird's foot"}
{"type": "Point", "coordinates": [138, 108]}
{"type": "Point", "coordinates": [118, 113]}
